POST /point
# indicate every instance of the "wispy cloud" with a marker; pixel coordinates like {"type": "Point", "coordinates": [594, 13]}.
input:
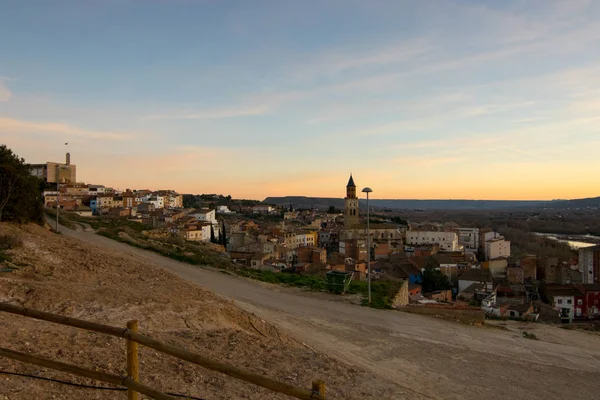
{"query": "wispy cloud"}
{"type": "Point", "coordinates": [217, 113]}
{"type": "Point", "coordinates": [343, 60]}
{"type": "Point", "coordinates": [5, 93]}
{"type": "Point", "coordinates": [427, 161]}
{"type": "Point", "coordinates": [395, 127]}
{"type": "Point", "coordinates": [10, 126]}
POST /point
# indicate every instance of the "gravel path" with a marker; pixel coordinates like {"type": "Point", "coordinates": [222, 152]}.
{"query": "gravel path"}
{"type": "Point", "coordinates": [425, 357]}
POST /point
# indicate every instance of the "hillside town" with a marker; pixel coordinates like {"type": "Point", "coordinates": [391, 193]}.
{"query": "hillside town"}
{"type": "Point", "coordinates": [433, 263]}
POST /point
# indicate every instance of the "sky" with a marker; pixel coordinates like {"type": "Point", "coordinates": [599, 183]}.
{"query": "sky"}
{"type": "Point", "coordinates": [437, 99]}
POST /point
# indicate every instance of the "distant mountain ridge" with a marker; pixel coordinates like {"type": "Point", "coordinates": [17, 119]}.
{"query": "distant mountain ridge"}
{"type": "Point", "coordinates": [411, 204]}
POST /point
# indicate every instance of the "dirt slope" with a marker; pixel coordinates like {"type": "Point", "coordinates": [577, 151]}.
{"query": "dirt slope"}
{"type": "Point", "coordinates": [68, 277]}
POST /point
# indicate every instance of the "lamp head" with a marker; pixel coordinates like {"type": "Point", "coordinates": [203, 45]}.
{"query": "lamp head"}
{"type": "Point", "coordinates": [367, 190]}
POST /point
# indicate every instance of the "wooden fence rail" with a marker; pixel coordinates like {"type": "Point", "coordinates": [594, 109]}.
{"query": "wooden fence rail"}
{"type": "Point", "coordinates": [87, 373]}
{"type": "Point", "coordinates": [131, 335]}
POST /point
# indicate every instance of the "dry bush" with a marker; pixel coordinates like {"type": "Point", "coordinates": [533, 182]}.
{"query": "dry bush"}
{"type": "Point", "coordinates": [8, 242]}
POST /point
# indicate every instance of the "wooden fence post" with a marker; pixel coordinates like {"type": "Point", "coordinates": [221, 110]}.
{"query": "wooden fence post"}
{"type": "Point", "coordinates": [133, 367]}
{"type": "Point", "coordinates": [319, 387]}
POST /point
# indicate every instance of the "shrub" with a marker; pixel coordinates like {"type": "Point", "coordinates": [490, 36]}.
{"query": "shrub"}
{"type": "Point", "coordinates": [528, 335]}
{"type": "Point", "coordinates": [20, 193]}
{"type": "Point", "coordinates": [8, 242]}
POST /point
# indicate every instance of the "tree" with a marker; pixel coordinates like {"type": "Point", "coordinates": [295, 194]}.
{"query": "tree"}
{"type": "Point", "coordinates": [224, 236]}
{"type": "Point", "coordinates": [20, 196]}
{"type": "Point", "coordinates": [333, 210]}
{"type": "Point", "coordinates": [399, 221]}
{"type": "Point", "coordinates": [212, 235]}
{"type": "Point", "coordinates": [434, 279]}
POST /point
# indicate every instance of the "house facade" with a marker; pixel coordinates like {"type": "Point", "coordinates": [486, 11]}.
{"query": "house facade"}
{"type": "Point", "coordinates": [447, 241]}
{"type": "Point", "coordinates": [497, 248]}
{"type": "Point", "coordinates": [589, 264]}
{"type": "Point", "coordinates": [469, 238]}
{"type": "Point", "coordinates": [196, 233]}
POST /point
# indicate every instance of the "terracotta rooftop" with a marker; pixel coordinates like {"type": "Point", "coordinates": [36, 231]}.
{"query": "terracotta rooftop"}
{"type": "Point", "coordinates": [476, 275]}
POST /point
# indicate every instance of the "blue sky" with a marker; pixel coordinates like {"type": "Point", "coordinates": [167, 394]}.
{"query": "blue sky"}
{"type": "Point", "coordinates": [431, 99]}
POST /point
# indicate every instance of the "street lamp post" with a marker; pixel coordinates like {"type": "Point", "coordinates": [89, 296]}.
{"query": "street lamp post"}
{"type": "Point", "coordinates": [368, 190]}
{"type": "Point", "coordinates": [58, 167]}
{"type": "Point", "coordinates": [57, 195]}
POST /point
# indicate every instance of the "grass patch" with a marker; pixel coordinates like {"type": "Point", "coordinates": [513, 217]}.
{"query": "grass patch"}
{"type": "Point", "coordinates": [62, 219]}
{"type": "Point", "coordinates": [4, 257]}
{"type": "Point", "coordinates": [303, 281]}
{"type": "Point", "coordinates": [528, 335]}
{"type": "Point", "coordinates": [382, 292]}
{"type": "Point", "coordinates": [176, 248]}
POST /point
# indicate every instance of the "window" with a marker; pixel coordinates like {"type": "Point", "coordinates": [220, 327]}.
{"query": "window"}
{"type": "Point", "coordinates": [579, 302]}
{"type": "Point", "coordinates": [569, 301]}
{"type": "Point", "coordinates": [559, 301]}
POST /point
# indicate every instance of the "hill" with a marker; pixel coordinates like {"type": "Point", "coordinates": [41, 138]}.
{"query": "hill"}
{"type": "Point", "coordinates": [54, 273]}
{"type": "Point", "coordinates": [591, 202]}
{"type": "Point", "coordinates": [403, 204]}
{"type": "Point", "coordinates": [415, 204]}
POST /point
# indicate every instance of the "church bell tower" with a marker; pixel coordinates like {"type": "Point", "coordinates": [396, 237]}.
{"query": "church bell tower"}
{"type": "Point", "coordinates": [351, 205]}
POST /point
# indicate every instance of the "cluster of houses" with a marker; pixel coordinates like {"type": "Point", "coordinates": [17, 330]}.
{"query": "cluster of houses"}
{"type": "Point", "coordinates": [100, 200]}
{"type": "Point", "coordinates": [476, 263]}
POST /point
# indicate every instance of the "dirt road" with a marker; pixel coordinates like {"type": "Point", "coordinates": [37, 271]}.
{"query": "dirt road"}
{"type": "Point", "coordinates": [424, 357]}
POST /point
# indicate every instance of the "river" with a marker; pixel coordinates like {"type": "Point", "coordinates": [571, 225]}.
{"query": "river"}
{"type": "Point", "coordinates": [576, 244]}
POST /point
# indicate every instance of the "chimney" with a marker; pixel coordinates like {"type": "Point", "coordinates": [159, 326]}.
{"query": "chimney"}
{"type": "Point", "coordinates": [68, 158]}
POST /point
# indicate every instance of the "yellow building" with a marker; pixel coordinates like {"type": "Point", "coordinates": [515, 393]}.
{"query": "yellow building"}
{"type": "Point", "coordinates": [51, 171]}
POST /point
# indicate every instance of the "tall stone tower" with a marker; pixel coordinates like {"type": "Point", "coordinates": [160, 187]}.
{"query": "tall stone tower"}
{"type": "Point", "coordinates": [351, 204]}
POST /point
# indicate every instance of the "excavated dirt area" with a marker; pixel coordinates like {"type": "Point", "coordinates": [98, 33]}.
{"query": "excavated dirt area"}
{"type": "Point", "coordinates": [67, 277]}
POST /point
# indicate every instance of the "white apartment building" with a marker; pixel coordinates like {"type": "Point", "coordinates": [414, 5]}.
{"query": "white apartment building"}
{"type": "Point", "coordinates": [586, 263]}
{"type": "Point", "coordinates": [224, 210]}
{"type": "Point", "coordinates": [448, 241]}
{"type": "Point", "coordinates": [208, 215]}
{"type": "Point", "coordinates": [158, 201]}
{"type": "Point", "coordinates": [96, 189]}
{"type": "Point", "coordinates": [205, 214]}
{"type": "Point", "coordinates": [263, 209]}
{"type": "Point", "coordinates": [496, 248]}
{"type": "Point", "coordinates": [469, 238]}
{"type": "Point", "coordinates": [199, 233]}
{"type": "Point", "coordinates": [491, 235]}
{"type": "Point", "coordinates": [566, 305]}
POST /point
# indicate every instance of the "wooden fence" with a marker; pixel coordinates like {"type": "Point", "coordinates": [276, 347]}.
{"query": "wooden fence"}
{"type": "Point", "coordinates": [133, 338]}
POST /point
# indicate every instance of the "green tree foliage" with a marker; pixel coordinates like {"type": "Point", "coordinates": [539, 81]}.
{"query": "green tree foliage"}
{"type": "Point", "coordinates": [224, 236]}
{"type": "Point", "coordinates": [213, 239]}
{"type": "Point", "coordinates": [190, 201]}
{"type": "Point", "coordinates": [20, 195]}
{"type": "Point", "coordinates": [523, 242]}
{"type": "Point", "coordinates": [434, 279]}
{"type": "Point", "coordinates": [333, 210]}
{"type": "Point", "coordinates": [399, 221]}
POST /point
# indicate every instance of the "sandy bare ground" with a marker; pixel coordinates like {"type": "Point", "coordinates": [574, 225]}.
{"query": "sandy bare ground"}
{"type": "Point", "coordinates": [418, 355]}
{"type": "Point", "coordinates": [69, 277]}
